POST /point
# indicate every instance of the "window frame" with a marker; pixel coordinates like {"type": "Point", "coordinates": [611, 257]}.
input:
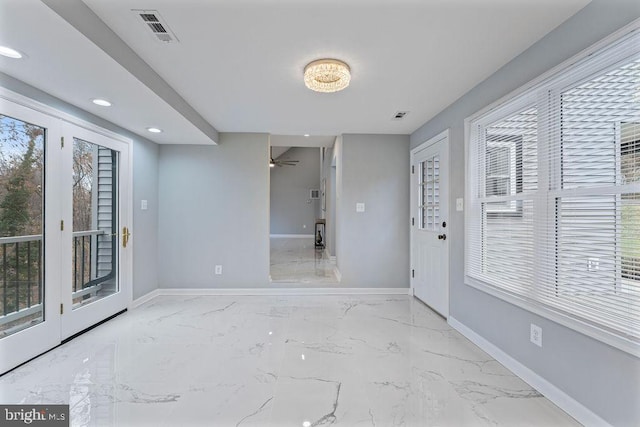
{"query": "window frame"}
{"type": "Point", "coordinates": [544, 92]}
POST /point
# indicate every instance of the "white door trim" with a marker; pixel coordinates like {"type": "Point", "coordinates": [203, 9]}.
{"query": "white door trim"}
{"type": "Point", "coordinates": [444, 135]}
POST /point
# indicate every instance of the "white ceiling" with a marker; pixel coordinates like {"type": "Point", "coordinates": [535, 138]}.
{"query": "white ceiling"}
{"type": "Point", "coordinates": [239, 63]}
{"type": "Point", "coordinates": [62, 62]}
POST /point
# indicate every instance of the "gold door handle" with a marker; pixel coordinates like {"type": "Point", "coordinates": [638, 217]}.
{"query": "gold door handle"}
{"type": "Point", "coordinates": [125, 236]}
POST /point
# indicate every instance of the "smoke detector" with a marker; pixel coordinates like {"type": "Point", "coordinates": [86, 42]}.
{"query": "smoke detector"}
{"type": "Point", "coordinates": [154, 22]}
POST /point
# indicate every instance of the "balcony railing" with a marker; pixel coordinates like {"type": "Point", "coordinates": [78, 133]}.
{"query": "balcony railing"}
{"type": "Point", "coordinates": [21, 275]}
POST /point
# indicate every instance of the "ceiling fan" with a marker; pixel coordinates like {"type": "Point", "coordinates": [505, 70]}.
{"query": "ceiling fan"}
{"type": "Point", "coordinates": [280, 163]}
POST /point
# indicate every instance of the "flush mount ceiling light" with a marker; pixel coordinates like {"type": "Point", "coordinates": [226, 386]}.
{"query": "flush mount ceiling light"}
{"type": "Point", "coordinates": [154, 130]}
{"type": "Point", "coordinates": [327, 75]}
{"type": "Point", "coordinates": [10, 53]}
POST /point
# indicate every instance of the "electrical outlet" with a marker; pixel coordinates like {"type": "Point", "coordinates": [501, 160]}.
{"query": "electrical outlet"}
{"type": "Point", "coordinates": [218, 269]}
{"type": "Point", "coordinates": [459, 204]}
{"type": "Point", "coordinates": [143, 205]}
{"type": "Point", "coordinates": [359, 207]}
{"type": "Point", "coordinates": [536, 335]}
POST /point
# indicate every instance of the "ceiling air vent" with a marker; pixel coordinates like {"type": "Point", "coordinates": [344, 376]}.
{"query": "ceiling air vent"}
{"type": "Point", "coordinates": [158, 26]}
{"type": "Point", "coordinates": [399, 115]}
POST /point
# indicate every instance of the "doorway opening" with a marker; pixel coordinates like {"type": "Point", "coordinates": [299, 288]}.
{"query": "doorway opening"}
{"type": "Point", "coordinates": [301, 227]}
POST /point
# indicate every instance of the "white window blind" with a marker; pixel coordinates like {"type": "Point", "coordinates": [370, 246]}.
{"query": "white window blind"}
{"type": "Point", "coordinates": [554, 215]}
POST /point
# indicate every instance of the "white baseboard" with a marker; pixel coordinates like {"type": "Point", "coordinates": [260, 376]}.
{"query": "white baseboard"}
{"type": "Point", "coordinates": [144, 298]}
{"type": "Point", "coordinates": [291, 236]}
{"type": "Point", "coordinates": [272, 292]}
{"type": "Point", "coordinates": [578, 411]}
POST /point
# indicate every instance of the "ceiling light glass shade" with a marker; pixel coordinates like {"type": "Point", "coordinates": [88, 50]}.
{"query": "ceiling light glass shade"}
{"type": "Point", "coordinates": [327, 75]}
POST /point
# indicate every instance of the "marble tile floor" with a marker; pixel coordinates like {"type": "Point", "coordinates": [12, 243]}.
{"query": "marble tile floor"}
{"type": "Point", "coordinates": [279, 361]}
{"type": "Point", "coordinates": [297, 260]}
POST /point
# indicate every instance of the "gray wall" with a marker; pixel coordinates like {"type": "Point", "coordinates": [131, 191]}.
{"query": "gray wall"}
{"type": "Point", "coordinates": [145, 231]}
{"type": "Point", "coordinates": [145, 185]}
{"type": "Point", "coordinates": [214, 209]}
{"type": "Point", "coordinates": [373, 246]}
{"type": "Point", "coordinates": [598, 376]}
{"type": "Point", "coordinates": [291, 208]}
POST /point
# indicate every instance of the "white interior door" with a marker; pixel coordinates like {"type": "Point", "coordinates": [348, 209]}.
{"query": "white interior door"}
{"type": "Point", "coordinates": [95, 243]}
{"type": "Point", "coordinates": [429, 227]}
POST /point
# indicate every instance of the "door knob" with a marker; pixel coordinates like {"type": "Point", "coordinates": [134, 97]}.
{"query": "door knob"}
{"type": "Point", "coordinates": [442, 237]}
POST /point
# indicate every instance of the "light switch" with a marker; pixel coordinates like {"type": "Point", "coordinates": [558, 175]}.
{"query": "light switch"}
{"type": "Point", "coordinates": [460, 204]}
{"type": "Point", "coordinates": [143, 205]}
{"type": "Point", "coordinates": [359, 207]}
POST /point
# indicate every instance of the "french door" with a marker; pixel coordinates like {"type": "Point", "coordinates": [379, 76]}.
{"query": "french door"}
{"type": "Point", "coordinates": [64, 213]}
{"type": "Point", "coordinates": [94, 233]}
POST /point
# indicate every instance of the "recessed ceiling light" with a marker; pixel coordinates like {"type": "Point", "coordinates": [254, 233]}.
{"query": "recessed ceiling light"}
{"type": "Point", "coordinates": [306, 135]}
{"type": "Point", "coordinates": [101, 102]}
{"type": "Point", "coordinates": [154, 130]}
{"type": "Point", "coordinates": [10, 53]}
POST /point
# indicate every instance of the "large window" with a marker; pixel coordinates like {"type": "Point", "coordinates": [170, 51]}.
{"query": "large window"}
{"type": "Point", "coordinates": [554, 203]}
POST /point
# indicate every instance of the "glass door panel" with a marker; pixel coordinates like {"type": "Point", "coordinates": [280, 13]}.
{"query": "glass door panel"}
{"type": "Point", "coordinates": [95, 223]}
{"type": "Point", "coordinates": [21, 225]}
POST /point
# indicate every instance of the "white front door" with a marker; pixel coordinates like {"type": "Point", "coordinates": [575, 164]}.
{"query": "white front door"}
{"type": "Point", "coordinates": [429, 223]}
